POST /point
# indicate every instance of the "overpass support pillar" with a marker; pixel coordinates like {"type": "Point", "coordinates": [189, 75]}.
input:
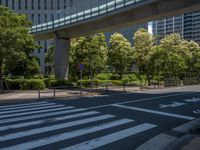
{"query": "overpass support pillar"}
{"type": "Point", "coordinates": [62, 48]}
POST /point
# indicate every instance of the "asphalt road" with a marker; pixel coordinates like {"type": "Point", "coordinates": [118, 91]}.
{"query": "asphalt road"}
{"type": "Point", "coordinates": [120, 121]}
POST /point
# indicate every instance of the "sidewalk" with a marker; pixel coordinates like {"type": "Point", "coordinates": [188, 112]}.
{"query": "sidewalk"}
{"type": "Point", "coordinates": [194, 144]}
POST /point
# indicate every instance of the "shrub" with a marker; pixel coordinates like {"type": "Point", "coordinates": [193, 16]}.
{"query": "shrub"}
{"type": "Point", "coordinates": [26, 84]}
{"type": "Point", "coordinates": [15, 84]}
{"type": "Point", "coordinates": [33, 84]}
{"type": "Point", "coordinates": [87, 82]}
{"type": "Point", "coordinates": [117, 82]}
{"type": "Point", "coordinates": [55, 83]}
{"type": "Point", "coordinates": [115, 77]}
{"type": "Point", "coordinates": [103, 76]}
{"type": "Point", "coordinates": [126, 80]}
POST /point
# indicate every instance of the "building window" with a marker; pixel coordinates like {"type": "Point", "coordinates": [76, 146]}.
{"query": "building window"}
{"type": "Point", "coordinates": [45, 4]}
{"type": "Point", "coordinates": [45, 17]}
{"type": "Point", "coordinates": [13, 4]}
{"type": "Point", "coordinates": [39, 7]}
{"type": "Point", "coordinates": [65, 4]}
{"type": "Point", "coordinates": [39, 18]}
{"type": "Point", "coordinates": [39, 50]}
{"type": "Point", "coordinates": [52, 17]}
{"type": "Point", "coordinates": [26, 4]}
{"type": "Point", "coordinates": [19, 5]}
{"type": "Point", "coordinates": [58, 4]}
{"type": "Point", "coordinates": [32, 4]}
{"type": "Point", "coordinates": [6, 3]}
{"type": "Point", "coordinates": [51, 4]}
{"type": "Point", "coordinates": [32, 18]}
{"type": "Point", "coordinates": [45, 46]}
{"type": "Point", "coordinates": [58, 16]}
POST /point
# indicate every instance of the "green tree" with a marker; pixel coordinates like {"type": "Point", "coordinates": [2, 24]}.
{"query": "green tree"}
{"type": "Point", "coordinates": [16, 43]}
{"type": "Point", "coordinates": [120, 54]}
{"type": "Point", "coordinates": [144, 42]}
{"type": "Point", "coordinates": [176, 55]}
{"type": "Point", "coordinates": [91, 51]}
{"type": "Point", "coordinates": [194, 61]}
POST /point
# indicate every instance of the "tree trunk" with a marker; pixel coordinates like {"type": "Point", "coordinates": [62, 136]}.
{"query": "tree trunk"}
{"type": "Point", "coordinates": [1, 76]}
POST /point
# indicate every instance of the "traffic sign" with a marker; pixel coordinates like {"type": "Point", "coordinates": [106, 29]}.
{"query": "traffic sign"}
{"type": "Point", "coordinates": [81, 67]}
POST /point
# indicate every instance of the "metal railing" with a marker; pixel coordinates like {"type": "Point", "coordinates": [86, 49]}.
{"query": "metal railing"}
{"type": "Point", "coordinates": [84, 15]}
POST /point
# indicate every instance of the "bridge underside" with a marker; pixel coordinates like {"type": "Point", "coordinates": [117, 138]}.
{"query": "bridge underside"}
{"type": "Point", "coordinates": [144, 12]}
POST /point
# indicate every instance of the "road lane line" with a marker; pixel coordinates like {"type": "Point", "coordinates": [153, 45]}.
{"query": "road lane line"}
{"type": "Point", "coordinates": [139, 100]}
{"type": "Point", "coordinates": [35, 112]}
{"type": "Point", "coordinates": [47, 106]}
{"type": "Point", "coordinates": [31, 123]}
{"type": "Point", "coordinates": [50, 114]}
{"type": "Point", "coordinates": [20, 105]}
{"type": "Point", "coordinates": [67, 135]}
{"type": "Point", "coordinates": [25, 107]}
{"type": "Point", "coordinates": [45, 129]}
{"type": "Point", "coordinates": [155, 112]}
{"type": "Point", "coordinates": [104, 140]}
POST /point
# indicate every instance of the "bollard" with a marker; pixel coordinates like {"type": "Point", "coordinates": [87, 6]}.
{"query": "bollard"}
{"type": "Point", "coordinates": [38, 93]}
{"type": "Point", "coordinates": [54, 93]}
{"type": "Point", "coordinates": [124, 88]}
{"type": "Point", "coordinates": [80, 91]}
{"type": "Point", "coordinates": [106, 89]}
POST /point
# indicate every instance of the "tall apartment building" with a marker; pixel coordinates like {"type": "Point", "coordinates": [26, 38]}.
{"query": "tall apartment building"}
{"type": "Point", "coordinates": [41, 11]}
{"type": "Point", "coordinates": [187, 25]}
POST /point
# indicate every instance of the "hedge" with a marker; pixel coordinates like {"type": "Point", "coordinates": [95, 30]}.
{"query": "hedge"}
{"type": "Point", "coordinates": [25, 84]}
{"type": "Point", "coordinates": [56, 83]}
{"type": "Point", "coordinates": [99, 82]}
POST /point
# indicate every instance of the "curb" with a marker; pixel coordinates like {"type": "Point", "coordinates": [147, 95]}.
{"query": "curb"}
{"type": "Point", "coordinates": [172, 139]}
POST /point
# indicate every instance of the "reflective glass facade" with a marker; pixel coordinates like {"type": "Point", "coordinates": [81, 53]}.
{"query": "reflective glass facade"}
{"type": "Point", "coordinates": [187, 25]}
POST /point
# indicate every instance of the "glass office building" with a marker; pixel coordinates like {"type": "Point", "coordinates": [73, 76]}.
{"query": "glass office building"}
{"type": "Point", "coordinates": [187, 25]}
{"type": "Point", "coordinates": [41, 11]}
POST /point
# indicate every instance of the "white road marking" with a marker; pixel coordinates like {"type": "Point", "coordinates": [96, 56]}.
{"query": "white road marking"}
{"type": "Point", "coordinates": [25, 107]}
{"type": "Point", "coordinates": [19, 105]}
{"type": "Point", "coordinates": [50, 113]}
{"type": "Point", "coordinates": [155, 112]}
{"type": "Point", "coordinates": [173, 105]}
{"type": "Point", "coordinates": [193, 100]}
{"type": "Point", "coordinates": [31, 123]}
{"type": "Point", "coordinates": [104, 140]}
{"type": "Point", "coordinates": [67, 135]}
{"type": "Point", "coordinates": [36, 112]}
{"type": "Point", "coordinates": [139, 100]}
{"type": "Point", "coordinates": [52, 128]}
{"type": "Point", "coordinates": [47, 106]}
{"type": "Point", "coordinates": [196, 111]}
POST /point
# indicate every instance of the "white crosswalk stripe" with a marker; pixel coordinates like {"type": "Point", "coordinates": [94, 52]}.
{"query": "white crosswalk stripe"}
{"type": "Point", "coordinates": [25, 107]}
{"type": "Point", "coordinates": [68, 135]}
{"type": "Point", "coordinates": [98, 142]}
{"type": "Point", "coordinates": [46, 114]}
{"type": "Point", "coordinates": [57, 107]}
{"type": "Point", "coordinates": [31, 123]}
{"type": "Point", "coordinates": [62, 124]}
{"type": "Point", "coordinates": [52, 128]}
{"type": "Point", "coordinates": [29, 109]}
{"type": "Point", "coordinates": [21, 105]}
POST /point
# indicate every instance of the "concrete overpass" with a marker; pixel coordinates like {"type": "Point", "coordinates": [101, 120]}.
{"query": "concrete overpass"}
{"type": "Point", "coordinates": [109, 16]}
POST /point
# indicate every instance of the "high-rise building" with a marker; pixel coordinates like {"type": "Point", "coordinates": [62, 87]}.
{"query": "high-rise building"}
{"type": "Point", "coordinates": [41, 11]}
{"type": "Point", "coordinates": [187, 25]}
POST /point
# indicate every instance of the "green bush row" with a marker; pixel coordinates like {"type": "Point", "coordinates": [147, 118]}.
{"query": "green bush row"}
{"type": "Point", "coordinates": [57, 83]}
{"type": "Point", "coordinates": [99, 82]}
{"type": "Point", "coordinates": [25, 84]}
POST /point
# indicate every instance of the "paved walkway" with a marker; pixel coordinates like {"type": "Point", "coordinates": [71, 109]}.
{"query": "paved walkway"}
{"type": "Point", "coordinates": [193, 145]}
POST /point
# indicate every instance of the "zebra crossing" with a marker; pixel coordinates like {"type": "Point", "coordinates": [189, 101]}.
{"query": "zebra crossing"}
{"type": "Point", "coordinates": [38, 125]}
